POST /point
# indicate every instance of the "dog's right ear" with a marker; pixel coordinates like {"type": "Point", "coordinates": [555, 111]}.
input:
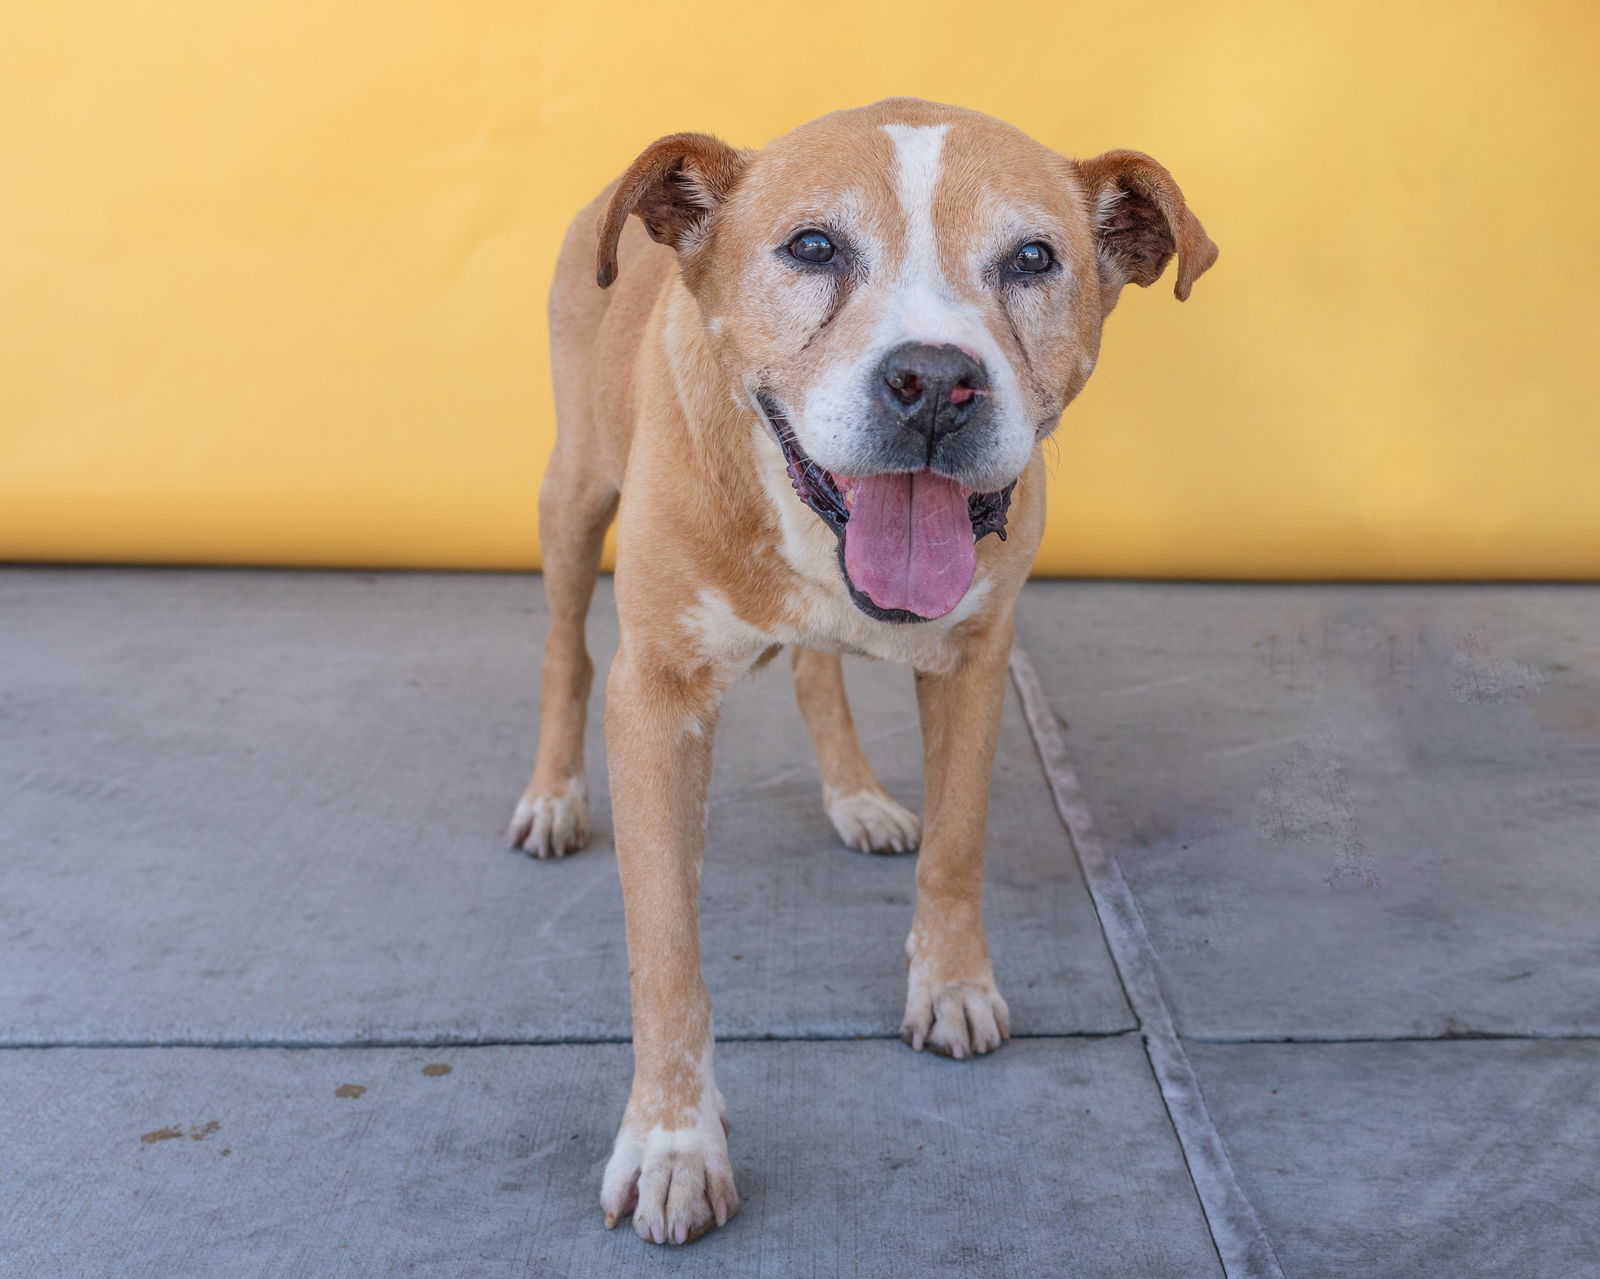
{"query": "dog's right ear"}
{"type": "Point", "coordinates": [673, 187]}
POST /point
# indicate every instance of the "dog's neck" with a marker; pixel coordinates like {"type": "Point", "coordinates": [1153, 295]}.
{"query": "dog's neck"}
{"type": "Point", "coordinates": [719, 425]}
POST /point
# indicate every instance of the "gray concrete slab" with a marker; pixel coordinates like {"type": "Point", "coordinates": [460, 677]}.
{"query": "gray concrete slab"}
{"type": "Point", "coordinates": [266, 807]}
{"type": "Point", "coordinates": [1345, 811]}
{"type": "Point", "coordinates": [1467, 1159]}
{"type": "Point", "coordinates": [854, 1159]}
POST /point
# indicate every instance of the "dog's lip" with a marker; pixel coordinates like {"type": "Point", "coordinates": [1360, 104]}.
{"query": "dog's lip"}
{"type": "Point", "coordinates": [814, 486]}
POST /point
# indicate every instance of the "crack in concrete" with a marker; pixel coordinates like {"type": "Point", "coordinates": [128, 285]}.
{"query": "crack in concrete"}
{"type": "Point", "coordinates": [365, 1045]}
{"type": "Point", "coordinates": [1236, 1232]}
{"type": "Point", "coordinates": [378, 1045]}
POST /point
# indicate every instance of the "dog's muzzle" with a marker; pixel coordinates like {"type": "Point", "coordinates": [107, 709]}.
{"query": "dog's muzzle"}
{"type": "Point", "coordinates": [933, 407]}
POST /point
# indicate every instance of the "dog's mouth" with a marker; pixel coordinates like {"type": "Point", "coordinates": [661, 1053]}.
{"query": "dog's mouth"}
{"type": "Point", "coordinates": [907, 540]}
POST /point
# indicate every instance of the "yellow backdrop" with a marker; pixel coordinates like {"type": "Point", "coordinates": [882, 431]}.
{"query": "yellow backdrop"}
{"type": "Point", "coordinates": [272, 276]}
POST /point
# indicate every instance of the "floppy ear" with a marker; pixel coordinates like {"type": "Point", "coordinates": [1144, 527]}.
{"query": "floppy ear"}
{"type": "Point", "coordinates": [673, 187]}
{"type": "Point", "coordinates": [1141, 220]}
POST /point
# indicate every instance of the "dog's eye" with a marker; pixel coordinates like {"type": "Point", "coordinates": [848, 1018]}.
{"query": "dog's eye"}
{"type": "Point", "coordinates": [1032, 258]}
{"type": "Point", "coordinates": [811, 246]}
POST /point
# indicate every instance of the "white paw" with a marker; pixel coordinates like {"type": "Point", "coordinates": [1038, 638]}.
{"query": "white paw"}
{"type": "Point", "coordinates": [955, 1019]}
{"type": "Point", "coordinates": [870, 822]}
{"type": "Point", "coordinates": [552, 825]}
{"type": "Point", "coordinates": [676, 1182]}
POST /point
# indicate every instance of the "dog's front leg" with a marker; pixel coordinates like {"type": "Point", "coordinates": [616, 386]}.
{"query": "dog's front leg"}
{"type": "Point", "coordinates": [670, 1166]}
{"type": "Point", "coordinates": [952, 1005]}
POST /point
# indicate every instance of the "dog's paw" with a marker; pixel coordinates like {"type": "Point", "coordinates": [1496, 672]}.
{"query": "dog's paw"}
{"type": "Point", "coordinates": [955, 1019]}
{"type": "Point", "coordinates": [552, 825]}
{"type": "Point", "coordinates": [870, 822]}
{"type": "Point", "coordinates": [676, 1182]}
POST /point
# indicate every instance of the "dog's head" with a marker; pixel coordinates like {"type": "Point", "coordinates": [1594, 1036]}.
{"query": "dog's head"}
{"type": "Point", "coordinates": [910, 294]}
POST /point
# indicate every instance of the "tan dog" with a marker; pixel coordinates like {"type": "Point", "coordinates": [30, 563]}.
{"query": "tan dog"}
{"type": "Point", "coordinates": [813, 413]}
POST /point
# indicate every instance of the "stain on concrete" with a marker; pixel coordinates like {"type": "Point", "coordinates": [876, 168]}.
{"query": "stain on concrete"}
{"type": "Point", "coordinates": [349, 1090]}
{"type": "Point", "coordinates": [438, 1068]}
{"type": "Point", "coordinates": [1565, 706]}
{"type": "Point", "coordinates": [1307, 798]}
{"type": "Point", "coordinates": [198, 1132]}
{"type": "Point", "coordinates": [1477, 675]}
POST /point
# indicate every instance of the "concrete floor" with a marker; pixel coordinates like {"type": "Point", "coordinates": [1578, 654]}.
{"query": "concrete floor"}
{"type": "Point", "coordinates": [275, 1001]}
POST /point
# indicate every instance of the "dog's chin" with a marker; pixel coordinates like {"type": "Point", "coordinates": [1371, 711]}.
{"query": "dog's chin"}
{"type": "Point", "coordinates": [863, 601]}
{"type": "Point", "coordinates": [833, 498]}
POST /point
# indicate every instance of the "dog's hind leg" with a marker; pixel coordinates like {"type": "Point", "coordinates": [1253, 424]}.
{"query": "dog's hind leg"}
{"type": "Point", "coordinates": [861, 811]}
{"type": "Point", "coordinates": [576, 507]}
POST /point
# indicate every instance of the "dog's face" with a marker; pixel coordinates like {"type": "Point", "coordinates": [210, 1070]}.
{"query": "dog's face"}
{"type": "Point", "coordinates": [910, 294]}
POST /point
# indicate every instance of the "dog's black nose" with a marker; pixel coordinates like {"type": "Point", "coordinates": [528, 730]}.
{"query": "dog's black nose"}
{"type": "Point", "coordinates": [934, 390]}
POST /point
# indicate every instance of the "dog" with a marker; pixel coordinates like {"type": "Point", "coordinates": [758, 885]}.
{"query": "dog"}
{"type": "Point", "coordinates": [811, 388]}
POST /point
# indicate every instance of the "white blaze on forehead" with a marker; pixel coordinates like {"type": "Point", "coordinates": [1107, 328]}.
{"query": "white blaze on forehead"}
{"type": "Point", "coordinates": [918, 149]}
{"type": "Point", "coordinates": [925, 306]}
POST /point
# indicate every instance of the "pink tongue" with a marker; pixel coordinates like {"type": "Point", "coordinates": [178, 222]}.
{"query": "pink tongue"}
{"type": "Point", "coordinates": [908, 542]}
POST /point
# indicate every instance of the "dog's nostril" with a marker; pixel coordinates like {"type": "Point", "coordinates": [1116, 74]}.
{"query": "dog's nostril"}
{"type": "Point", "coordinates": [906, 385]}
{"type": "Point", "coordinates": [961, 392]}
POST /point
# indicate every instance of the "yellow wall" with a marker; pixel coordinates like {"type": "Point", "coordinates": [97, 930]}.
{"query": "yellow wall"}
{"type": "Point", "coordinates": [272, 275]}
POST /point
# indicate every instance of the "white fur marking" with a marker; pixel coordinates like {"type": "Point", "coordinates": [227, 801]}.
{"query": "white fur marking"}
{"type": "Point", "coordinates": [917, 166]}
{"type": "Point", "coordinates": [647, 1159]}
{"type": "Point", "coordinates": [869, 820]}
{"type": "Point", "coordinates": [719, 633]}
{"type": "Point", "coordinates": [553, 825]}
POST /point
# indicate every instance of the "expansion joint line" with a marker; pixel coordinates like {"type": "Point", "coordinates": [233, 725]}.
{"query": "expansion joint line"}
{"type": "Point", "coordinates": [1242, 1245]}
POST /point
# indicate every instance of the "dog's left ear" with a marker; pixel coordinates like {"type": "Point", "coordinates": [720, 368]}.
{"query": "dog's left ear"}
{"type": "Point", "coordinates": [673, 186]}
{"type": "Point", "coordinates": [1141, 221]}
